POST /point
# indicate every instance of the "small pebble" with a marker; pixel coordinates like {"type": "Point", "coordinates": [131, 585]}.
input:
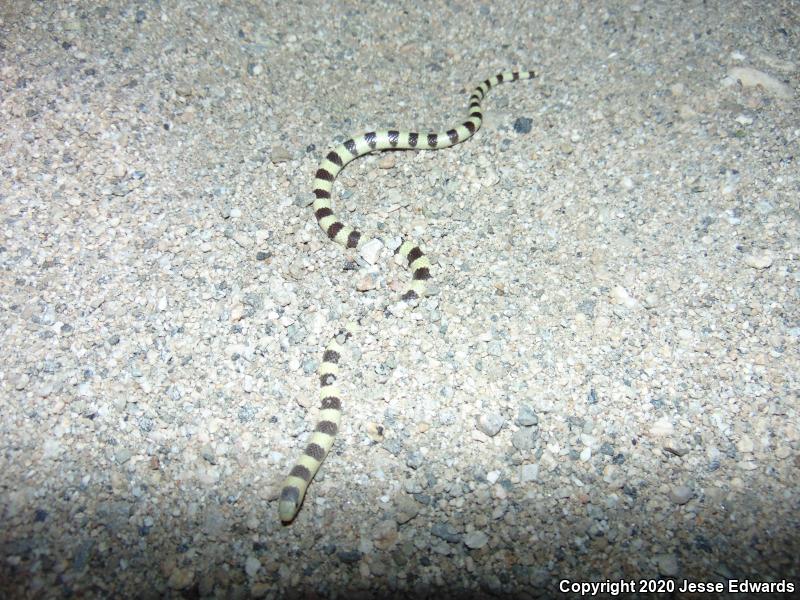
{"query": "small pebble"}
{"type": "Point", "coordinates": [366, 282]}
{"type": "Point", "coordinates": [280, 154]}
{"type": "Point", "coordinates": [662, 427]}
{"type": "Point", "coordinates": [621, 296]}
{"type": "Point", "coordinates": [490, 424]}
{"type": "Point", "coordinates": [371, 251]}
{"type": "Point", "coordinates": [523, 125]}
{"type": "Point", "coordinates": [21, 381]}
{"type": "Point", "coordinates": [476, 539]}
{"type": "Point", "coordinates": [524, 439]}
{"type": "Point", "coordinates": [745, 445]}
{"type": "Point", "coordinates": [244, 240]}
{"type": "Point", "coordinates": [680, 494]}
{"type": "Point", "coordinates": [528, 472]}
{"type": "Point", "coordinates": [406, 508]}
{"type": "Point", "coordinates": [387, 161]}
{"type": "Point", "coordinates": [446, 532]}
{"type": "Point", "coordinates": [759, 260]}
{"type": "Point", "coordinates": [251, 566]}
{"type": "Point", "coordinates": [349, 556]}
{"type": "Point", "coordinates": [526, 417]}
{"type": "Point", "coordinates": [385, 535]}
{"type": "Point", "coordinates": [122, 456]}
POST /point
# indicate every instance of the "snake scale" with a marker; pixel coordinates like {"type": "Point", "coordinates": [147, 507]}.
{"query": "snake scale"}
{"type": "Point", "coordinates": [295, 485]}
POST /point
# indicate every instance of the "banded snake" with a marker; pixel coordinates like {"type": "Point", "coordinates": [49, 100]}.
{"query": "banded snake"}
{"type": "Point", "coordinates": [307, 465]}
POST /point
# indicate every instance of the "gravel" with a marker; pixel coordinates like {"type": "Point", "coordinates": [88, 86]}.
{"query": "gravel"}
{"type": "Point", "coordinates": [601, 384]}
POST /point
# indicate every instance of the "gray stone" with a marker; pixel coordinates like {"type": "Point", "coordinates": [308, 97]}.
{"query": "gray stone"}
{"type": "Point", "coordinates": [527, 416]}
{"type": "Point", "coordinates": [524, 439]}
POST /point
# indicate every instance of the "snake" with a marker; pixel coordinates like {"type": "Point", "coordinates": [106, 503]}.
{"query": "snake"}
{"type": "Point", "coordinates": [330, 413]}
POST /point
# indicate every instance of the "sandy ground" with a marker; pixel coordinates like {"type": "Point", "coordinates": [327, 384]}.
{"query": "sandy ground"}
{"type": "Point", "coordinates": [601, 387]}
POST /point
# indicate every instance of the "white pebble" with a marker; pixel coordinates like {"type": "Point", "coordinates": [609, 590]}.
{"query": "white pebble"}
{"type": "Point", "coordinates": [244, 240]}
{"type": "Point", "coordinates": [21, 382]}
{"type": "Point", "coordinates": [759, 260]}
{"type": "Point", "coordinates": [651, 300]}
{"type": "Point", "coordinates": [52, 448]}
{"type": "Point", "coordinates": [745, 445]}
{"type": "Point", "coordinates": [366, 282]}
{"type": "Point", "coordinates": [251, 566]}
{"type": "Point", "coordinates": [476, 539]}
{"type": "Point", "coordinates": [490, 424]}
{"type": "Point", "coordinates": [528, 472]}
{"type": "Point", "coordinates": [370, 251]}
{"type": "Point", "coordinates": [662, 427]}
{"type": "Point", "coordinates": [621, 296]}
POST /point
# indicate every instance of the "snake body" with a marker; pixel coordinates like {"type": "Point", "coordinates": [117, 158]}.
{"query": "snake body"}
{"type": "Point", "coordinates": [295, 485]}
